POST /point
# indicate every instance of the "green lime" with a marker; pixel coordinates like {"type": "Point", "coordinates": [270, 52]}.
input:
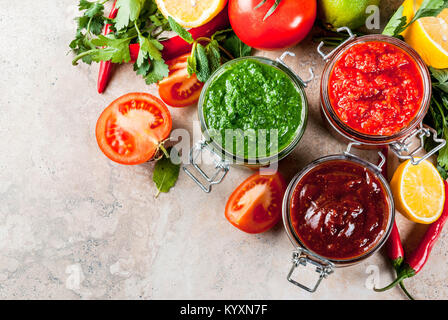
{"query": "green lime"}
{"type": "Point", "coordinates": [344, 13]}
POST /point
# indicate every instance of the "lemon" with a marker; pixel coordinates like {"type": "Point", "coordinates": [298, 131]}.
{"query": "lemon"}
{"type": "Point", "coordinates": [419, 192]}
{"type": "Point", "coordinates": [428, 35]}
{"type": "Point", "coordinates": [191, 13]}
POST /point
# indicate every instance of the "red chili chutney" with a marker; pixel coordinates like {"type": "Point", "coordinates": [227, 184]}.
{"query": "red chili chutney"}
{"type": "Point", "coordinates": [376, 88]}
{"type": "Point", "coordinates": [339, 210]}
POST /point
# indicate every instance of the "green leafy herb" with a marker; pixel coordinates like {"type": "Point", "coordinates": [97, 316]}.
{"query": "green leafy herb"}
{"type": "Point", "coordinates": [165, 174]}
{"type": "Point", "coordinates": [140, 21]}
{"type": "Point", "coordinates": [205, 59]}
{"type": "Point", "coordinates": [128, 12]}
{"type": "Point", "coordinates": [437, 116]}
{"type": "Point", "coordinates": [236, 47]}
{"type": "Point", "coordinates": [184, 34]}
{"type": "Point", "coordinates": [398, 23]}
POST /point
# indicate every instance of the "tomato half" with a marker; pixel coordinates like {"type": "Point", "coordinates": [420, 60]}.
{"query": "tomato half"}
{"type": "Point", "coordinates": [130, 129]}
{"type": "Point", "coordinates": [180, 89]}
{"type": "Point", "coordinates": [288, 25]}
{"type": "Point", "coordinates": [256, 205]}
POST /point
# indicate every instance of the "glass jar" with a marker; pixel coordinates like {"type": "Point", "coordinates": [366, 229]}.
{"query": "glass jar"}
{"type": "Point", "coordinates": [400, 142]}
{"type": "Point", "coordinates": [223, 158]}
{"type": "Point", "coordinates": [303, 255]}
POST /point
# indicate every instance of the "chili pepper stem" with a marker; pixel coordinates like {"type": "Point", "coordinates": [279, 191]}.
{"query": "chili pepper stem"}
{"type": "Point", "coordinates": [404, 273]}
{"type": "Point", "coordinates": [410, 297]}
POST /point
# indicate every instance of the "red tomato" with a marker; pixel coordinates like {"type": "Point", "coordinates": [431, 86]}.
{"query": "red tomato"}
{"type": "Point", "coordinates": [180, 89]}
{"type": "Point", "coordinates": [256, 205]}
{"type": "Point", "coordinates": [131, 128]}
{"type": "Point", "coordinates": [287, 26]}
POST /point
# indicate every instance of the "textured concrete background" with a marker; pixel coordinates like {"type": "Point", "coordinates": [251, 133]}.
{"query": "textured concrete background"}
{"type": "Point", "coordinates": [74, 225]}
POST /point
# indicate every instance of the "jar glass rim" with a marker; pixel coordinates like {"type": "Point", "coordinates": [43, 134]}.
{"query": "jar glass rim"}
{"type": "Point", "coordinates": [353, 134]}
{"type": "Point", "coordinates": [286, 207]}
{"type": "Point", "coordinates": [299, 131]}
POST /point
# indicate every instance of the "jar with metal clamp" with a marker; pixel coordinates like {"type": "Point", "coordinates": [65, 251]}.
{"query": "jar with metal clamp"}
{"type": "Point", "coordinates": [376, 90]}
{"type": "Point", "coordinates": [261, 105]}
{"type": "Point", "coordinates": [337, 212]}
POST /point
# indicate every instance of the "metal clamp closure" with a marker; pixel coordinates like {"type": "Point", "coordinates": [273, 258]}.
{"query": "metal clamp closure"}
{"type": "Point", "coordinates": [302, 257]}
{"type": "Point", "coordinates": [377, 167]}
{"type": "Point", "coordinates": [401, 148]}
{"type": "Point", "coordinates": [222, 167]}
{"type": "Point", "coordinates": [327, 56]}
{"type": "Point", "coordinates": [291, 54]}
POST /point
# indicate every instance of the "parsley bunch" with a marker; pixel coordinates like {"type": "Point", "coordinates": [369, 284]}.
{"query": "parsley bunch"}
{"type": "Point", "coordinates": [137, 21]}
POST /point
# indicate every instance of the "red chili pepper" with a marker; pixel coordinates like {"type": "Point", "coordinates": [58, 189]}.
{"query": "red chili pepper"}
{"type": "Point", "coordinates": [176, 46]}
{"type": "Point", "coordinates": [418, 258]}
{"type": "Point", "coordinates": [394, 247]}
{"type": "Point", "coordinates": [106, 66]}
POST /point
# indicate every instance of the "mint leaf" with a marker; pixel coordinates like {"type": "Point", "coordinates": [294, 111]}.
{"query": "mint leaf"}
{"type": "Point", "coordinates": [236, 47]}
{"type": "Point", "coordinates": [213, 55]}
{"type": "Point", "coordinates": [202, 64]}
{"type": "Point", "coordinates": [128, 11]}
{"type": "Point", "coordinates": [184, 34]}
{"type": "Point", "coordinates": [165, 174]}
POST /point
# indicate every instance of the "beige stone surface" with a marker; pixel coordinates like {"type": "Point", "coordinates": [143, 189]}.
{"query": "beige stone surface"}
{"type": "Point", "coordinates": [74, 225]}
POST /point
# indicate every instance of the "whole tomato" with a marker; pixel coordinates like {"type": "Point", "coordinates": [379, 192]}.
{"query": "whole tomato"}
{"type": "Point", "coordinates": [289, 24]}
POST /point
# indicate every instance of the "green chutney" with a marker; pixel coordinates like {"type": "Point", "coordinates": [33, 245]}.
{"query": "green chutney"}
{"type": "Point", "coordinates": [248, 97]}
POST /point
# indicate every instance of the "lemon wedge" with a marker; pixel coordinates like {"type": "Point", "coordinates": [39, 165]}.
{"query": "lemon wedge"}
{"type": "Point", "coordinates": [428, 35]}
{"type": "Point", "coordinates": [419, 192]}
{"type": "Point", "coordinates": [191, 13]}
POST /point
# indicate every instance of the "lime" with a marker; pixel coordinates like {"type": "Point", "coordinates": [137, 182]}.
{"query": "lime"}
{"type": "Point", "coordinates": [344, 13]}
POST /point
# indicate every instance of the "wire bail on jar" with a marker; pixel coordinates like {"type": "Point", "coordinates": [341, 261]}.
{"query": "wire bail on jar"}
{"type": "Point", "coordinates": [221, 158]}
{"type": "Point", "coordinates": [301, 257]}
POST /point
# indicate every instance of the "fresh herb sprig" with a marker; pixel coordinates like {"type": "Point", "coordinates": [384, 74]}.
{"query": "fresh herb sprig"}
{"type": "Point", "coordinates": [399, 22]}
{"type": "Point", "coordinates": [437, 116]}
{"type": "Point", "coordinates": [137, 21]}
{"type": "Point", "coordinates": [207, 54]}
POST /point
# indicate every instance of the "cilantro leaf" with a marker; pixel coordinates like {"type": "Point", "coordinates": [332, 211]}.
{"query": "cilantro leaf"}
{"type": "Point", "coordinates": [184, 34]}
{"type": "Point", "coordinates": [396, 24]}
{"type": "Point", "coordinates": [112, 49]}
{"type": "Point", "coordinates": [157, 70]}
{"type": "Point", "coordinates": [128, 11]}
{"type": "Point", "coordinates": [165, 174]}
{"type": "Point", "coordinates": [441, 78]}
{"type": "Point", "coordinates": [430, 8]}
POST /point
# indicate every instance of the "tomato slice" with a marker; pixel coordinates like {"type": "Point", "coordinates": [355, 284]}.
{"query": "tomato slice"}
{"type": "Point", "coordinates": [130, 129]}
{"type": "Point", "coordinates": [256, 205]}
{"type": "Point", "coordinates": [180, 89]}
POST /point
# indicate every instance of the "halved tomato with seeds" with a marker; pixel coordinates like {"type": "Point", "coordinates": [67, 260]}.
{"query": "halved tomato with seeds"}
{"type": "Point", "coordinates": [130, 129]}
{"type": "Point", "coordinates": [180, 89]}
{"type": "Point", "coordinates": [256, 205]}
